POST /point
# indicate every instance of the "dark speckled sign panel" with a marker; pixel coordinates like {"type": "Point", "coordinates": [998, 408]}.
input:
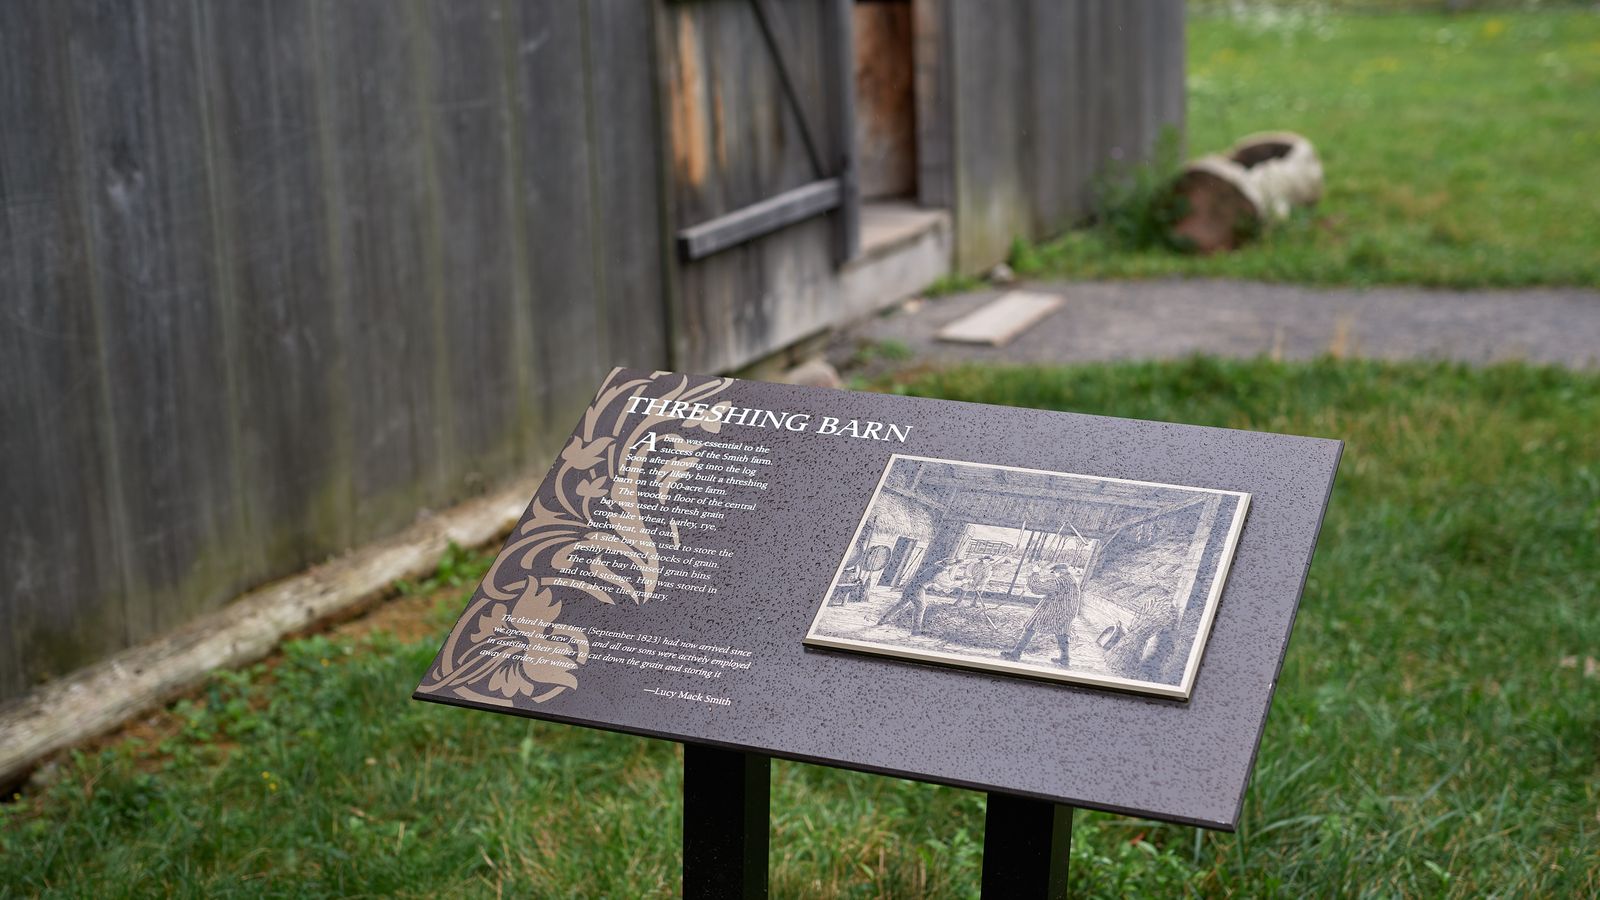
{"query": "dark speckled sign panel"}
{"type": "Point", "coordinates": [986, 590]}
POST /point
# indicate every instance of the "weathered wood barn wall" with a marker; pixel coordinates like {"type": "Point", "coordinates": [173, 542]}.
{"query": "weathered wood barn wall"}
{"type": "Point", "coordinates": [276, 276]}
{"type": "Point", "coordinates": [1036, 98]}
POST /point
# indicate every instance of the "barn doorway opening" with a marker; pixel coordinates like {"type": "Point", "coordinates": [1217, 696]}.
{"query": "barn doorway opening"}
{"type": "Point", "coordinates": [889, 137]}
{"type": "Point", "coordinates": [885, 95]}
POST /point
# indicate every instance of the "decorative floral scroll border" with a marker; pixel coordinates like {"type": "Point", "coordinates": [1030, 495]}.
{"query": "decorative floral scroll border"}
{"type": "Point", "coordinates": [583, 478]}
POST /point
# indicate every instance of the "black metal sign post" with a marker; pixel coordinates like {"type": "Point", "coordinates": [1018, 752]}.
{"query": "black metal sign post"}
{"type": "Point", "coordinates": [726, 833]}
{"type": "Point", "coordinates": [1025, 846]}
{"type": "Point", "coordinates": [726, 798]}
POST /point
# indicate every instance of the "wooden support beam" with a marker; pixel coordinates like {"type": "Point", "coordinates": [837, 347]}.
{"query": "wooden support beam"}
{"type": "Point", "coordinates": [1197, 551]}
{"type": "Point", "coordinates": [916, 497]}
{"type": "Point", "coordinates": [839, 66]}
{"type": "Point", "coordinates": [780, 60]}
{"type": "Point", "coordinates": [757, 219]}
{"type": "Point", "coordinates": [1163, 511]}
{"type": "Point", "coordinates": [1102, 492]}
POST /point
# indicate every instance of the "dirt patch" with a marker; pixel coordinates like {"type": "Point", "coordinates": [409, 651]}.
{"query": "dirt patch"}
{"type": "Point", "coordinates": [408, 617]}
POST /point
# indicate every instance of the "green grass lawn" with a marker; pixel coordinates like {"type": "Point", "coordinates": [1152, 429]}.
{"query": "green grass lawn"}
{"type": "Point", "coordinates": [1436, 732]}
{"type": "Point", "coordinates": [1460, 150]}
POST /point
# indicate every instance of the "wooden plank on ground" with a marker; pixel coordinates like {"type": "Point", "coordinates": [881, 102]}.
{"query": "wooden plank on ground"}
{"type": "Point", "coordinates": [999, 321]}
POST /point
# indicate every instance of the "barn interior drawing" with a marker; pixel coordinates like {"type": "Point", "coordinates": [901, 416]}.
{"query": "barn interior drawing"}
{"type": "Point", "coordinates": [1063, 576]}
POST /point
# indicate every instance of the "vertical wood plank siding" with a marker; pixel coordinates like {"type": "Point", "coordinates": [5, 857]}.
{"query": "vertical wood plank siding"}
{"type": "Point", "coordinates": [735, 140]}
{"type": "Point", "coordinates": [1043, 95]}
{"type": "Point", "coordinates": [276, 276]}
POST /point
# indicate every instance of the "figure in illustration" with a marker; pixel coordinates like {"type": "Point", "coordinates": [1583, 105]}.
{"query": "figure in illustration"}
{"type": "Point", "coordinates": [1061, 599]}
{"type": "Point", "coordinates": [1143, 652]}
{"type": "Point", "coordinates": [914, 594]}
{"type": "Point", "coordinates": [977, 575]}
{"type": "Point", "coordinates": [851, 587]}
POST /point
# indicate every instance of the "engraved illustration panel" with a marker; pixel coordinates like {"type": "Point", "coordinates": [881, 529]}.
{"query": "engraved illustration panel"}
{"type": "Point", "coordinates": [1074, 578]}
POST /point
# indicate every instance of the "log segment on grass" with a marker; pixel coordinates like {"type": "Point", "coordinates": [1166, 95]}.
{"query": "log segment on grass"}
{"type": "Point", "coordinates": [1228, 199]}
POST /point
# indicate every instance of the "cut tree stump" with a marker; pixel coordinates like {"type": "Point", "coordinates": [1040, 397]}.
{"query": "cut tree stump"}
{"type": "Point", "coordinates": [1229, 199]}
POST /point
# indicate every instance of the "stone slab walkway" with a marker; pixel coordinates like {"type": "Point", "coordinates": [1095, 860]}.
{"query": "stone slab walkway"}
{"type": "Point", "coordinates": [1170, 319]}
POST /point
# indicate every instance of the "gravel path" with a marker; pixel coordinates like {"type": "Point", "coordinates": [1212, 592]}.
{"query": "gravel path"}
{"type": "Point", "coordinates": [1166, 319]}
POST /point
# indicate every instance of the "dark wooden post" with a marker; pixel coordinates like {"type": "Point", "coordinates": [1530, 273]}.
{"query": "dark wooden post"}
{"type": "Point", "coordinates": [1025, 845]}
{"type": "Point", "coordinates": [726, 795]}
{"type": "Point", "coordinates": [839, 68]}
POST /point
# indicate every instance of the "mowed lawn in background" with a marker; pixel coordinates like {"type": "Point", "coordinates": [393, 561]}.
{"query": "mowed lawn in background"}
{"type": "Point", "coordinates": [1435, 732]}
{"type": "Point", "coordinates": [1460, 150]}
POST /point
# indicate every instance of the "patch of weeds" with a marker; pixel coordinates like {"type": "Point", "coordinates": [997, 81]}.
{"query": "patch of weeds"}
{"type": "Point", "coordinates": [1135, 206]}
{"type": "Point", "coordinates": [886, 352]}
{"type": "Point", "coordinates": [892, 350]}
{"type": "Point", "coordinates": [458, 567]}
{"type": "Point", "coordinates": [1116, 857]}
{"type": "Point", "coordinates": [1133, 215]}
{"type": "Point", "coordinates": [954, 283]}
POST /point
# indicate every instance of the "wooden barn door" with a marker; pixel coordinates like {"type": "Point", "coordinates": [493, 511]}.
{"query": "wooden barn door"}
{"type": "Point", "coordinates": [763, 204]}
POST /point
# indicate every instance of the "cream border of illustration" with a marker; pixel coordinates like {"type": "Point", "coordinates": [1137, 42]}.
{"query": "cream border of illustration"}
{"type": "Point", "coordinates": [1181, 691]}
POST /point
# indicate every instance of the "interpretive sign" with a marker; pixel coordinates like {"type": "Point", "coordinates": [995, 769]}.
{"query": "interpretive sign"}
{"type": "Point", "coordinates": [1085, 610]}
